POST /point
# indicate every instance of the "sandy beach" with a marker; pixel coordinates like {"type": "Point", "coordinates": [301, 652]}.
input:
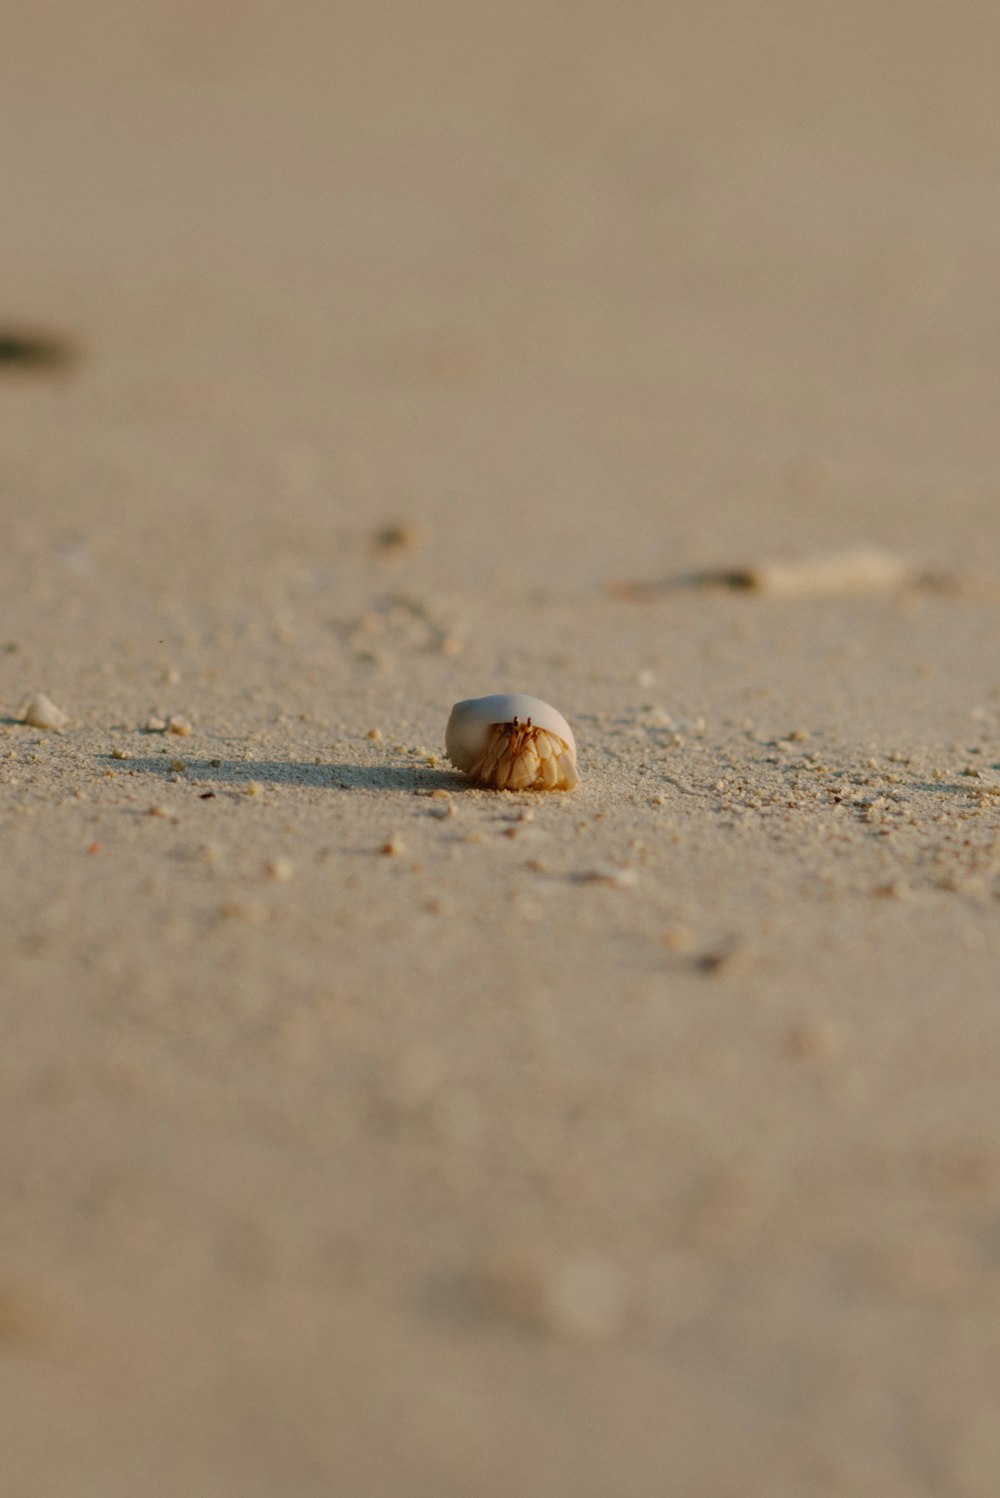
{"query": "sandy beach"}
{"type": "Point", "coordinates": [368, 1134]}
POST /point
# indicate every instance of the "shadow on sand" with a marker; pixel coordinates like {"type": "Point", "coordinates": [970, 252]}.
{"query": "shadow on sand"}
{"type": "Point", "coordinates": [237, 774]}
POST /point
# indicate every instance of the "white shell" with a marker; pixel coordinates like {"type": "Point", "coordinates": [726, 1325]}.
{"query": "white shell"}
{"type": "Point", "coordinates": [512, 741]}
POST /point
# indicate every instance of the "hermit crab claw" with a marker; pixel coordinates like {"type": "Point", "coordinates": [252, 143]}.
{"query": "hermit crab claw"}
{"type": "Point", "coordinates": [512, 742]}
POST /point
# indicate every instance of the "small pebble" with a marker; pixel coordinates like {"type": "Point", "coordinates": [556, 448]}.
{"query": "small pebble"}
{"type": "Point", "coordinates": [400, 536]}
{"type": "Point", "coordinates": [615, 878]}
{"type": "Point", "coordinates": [582, 1297]}
{"type": "Point", "coordinates": [726, 962]}
{"type": "Point", "coordinates": [252, 912]}
{"type": "Point", "coordinates": [281, 870]}
{"type": "Point", "coordinates": [374, 734]}
{"type": "Point", "coordinates": [179, 725]}
{"type": "Point", "coordinates": [586, 1297]}
{"type": "Point", "coordinates": [153, 724]}
{"type": "Point", "coordinates": [814, 1041]}
{"type": "Point", "coordinates": [41, 712]}
{"type": "Point", "coordinates": [120, 754]}
{"type": "Point", "coordinates": [394, 847]}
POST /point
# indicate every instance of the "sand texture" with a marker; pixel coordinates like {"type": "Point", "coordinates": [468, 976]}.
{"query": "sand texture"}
{"type": "Point", "coordinates": [367, 1134]}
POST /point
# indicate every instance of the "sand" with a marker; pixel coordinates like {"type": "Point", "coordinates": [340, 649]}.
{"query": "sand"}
{"type": "Point", "coordinates": [367, 1134]}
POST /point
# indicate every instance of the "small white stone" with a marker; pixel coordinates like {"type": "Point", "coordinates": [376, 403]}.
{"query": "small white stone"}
{"type": "Point", "coordinates": [41, 712]}
{"type": "Point", "coordinates": [658, 717]}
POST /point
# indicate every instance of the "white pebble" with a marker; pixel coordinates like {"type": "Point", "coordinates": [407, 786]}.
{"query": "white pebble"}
{"type": "Point", "coordinates": [41, 712]}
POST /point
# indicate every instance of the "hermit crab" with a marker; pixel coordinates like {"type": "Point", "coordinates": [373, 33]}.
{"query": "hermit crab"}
{"type": "Point", "coordinates": [513, 742]}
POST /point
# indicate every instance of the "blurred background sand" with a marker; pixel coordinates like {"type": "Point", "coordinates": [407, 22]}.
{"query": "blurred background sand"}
{"type": "Point", "coordinates": [642, 1141]}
